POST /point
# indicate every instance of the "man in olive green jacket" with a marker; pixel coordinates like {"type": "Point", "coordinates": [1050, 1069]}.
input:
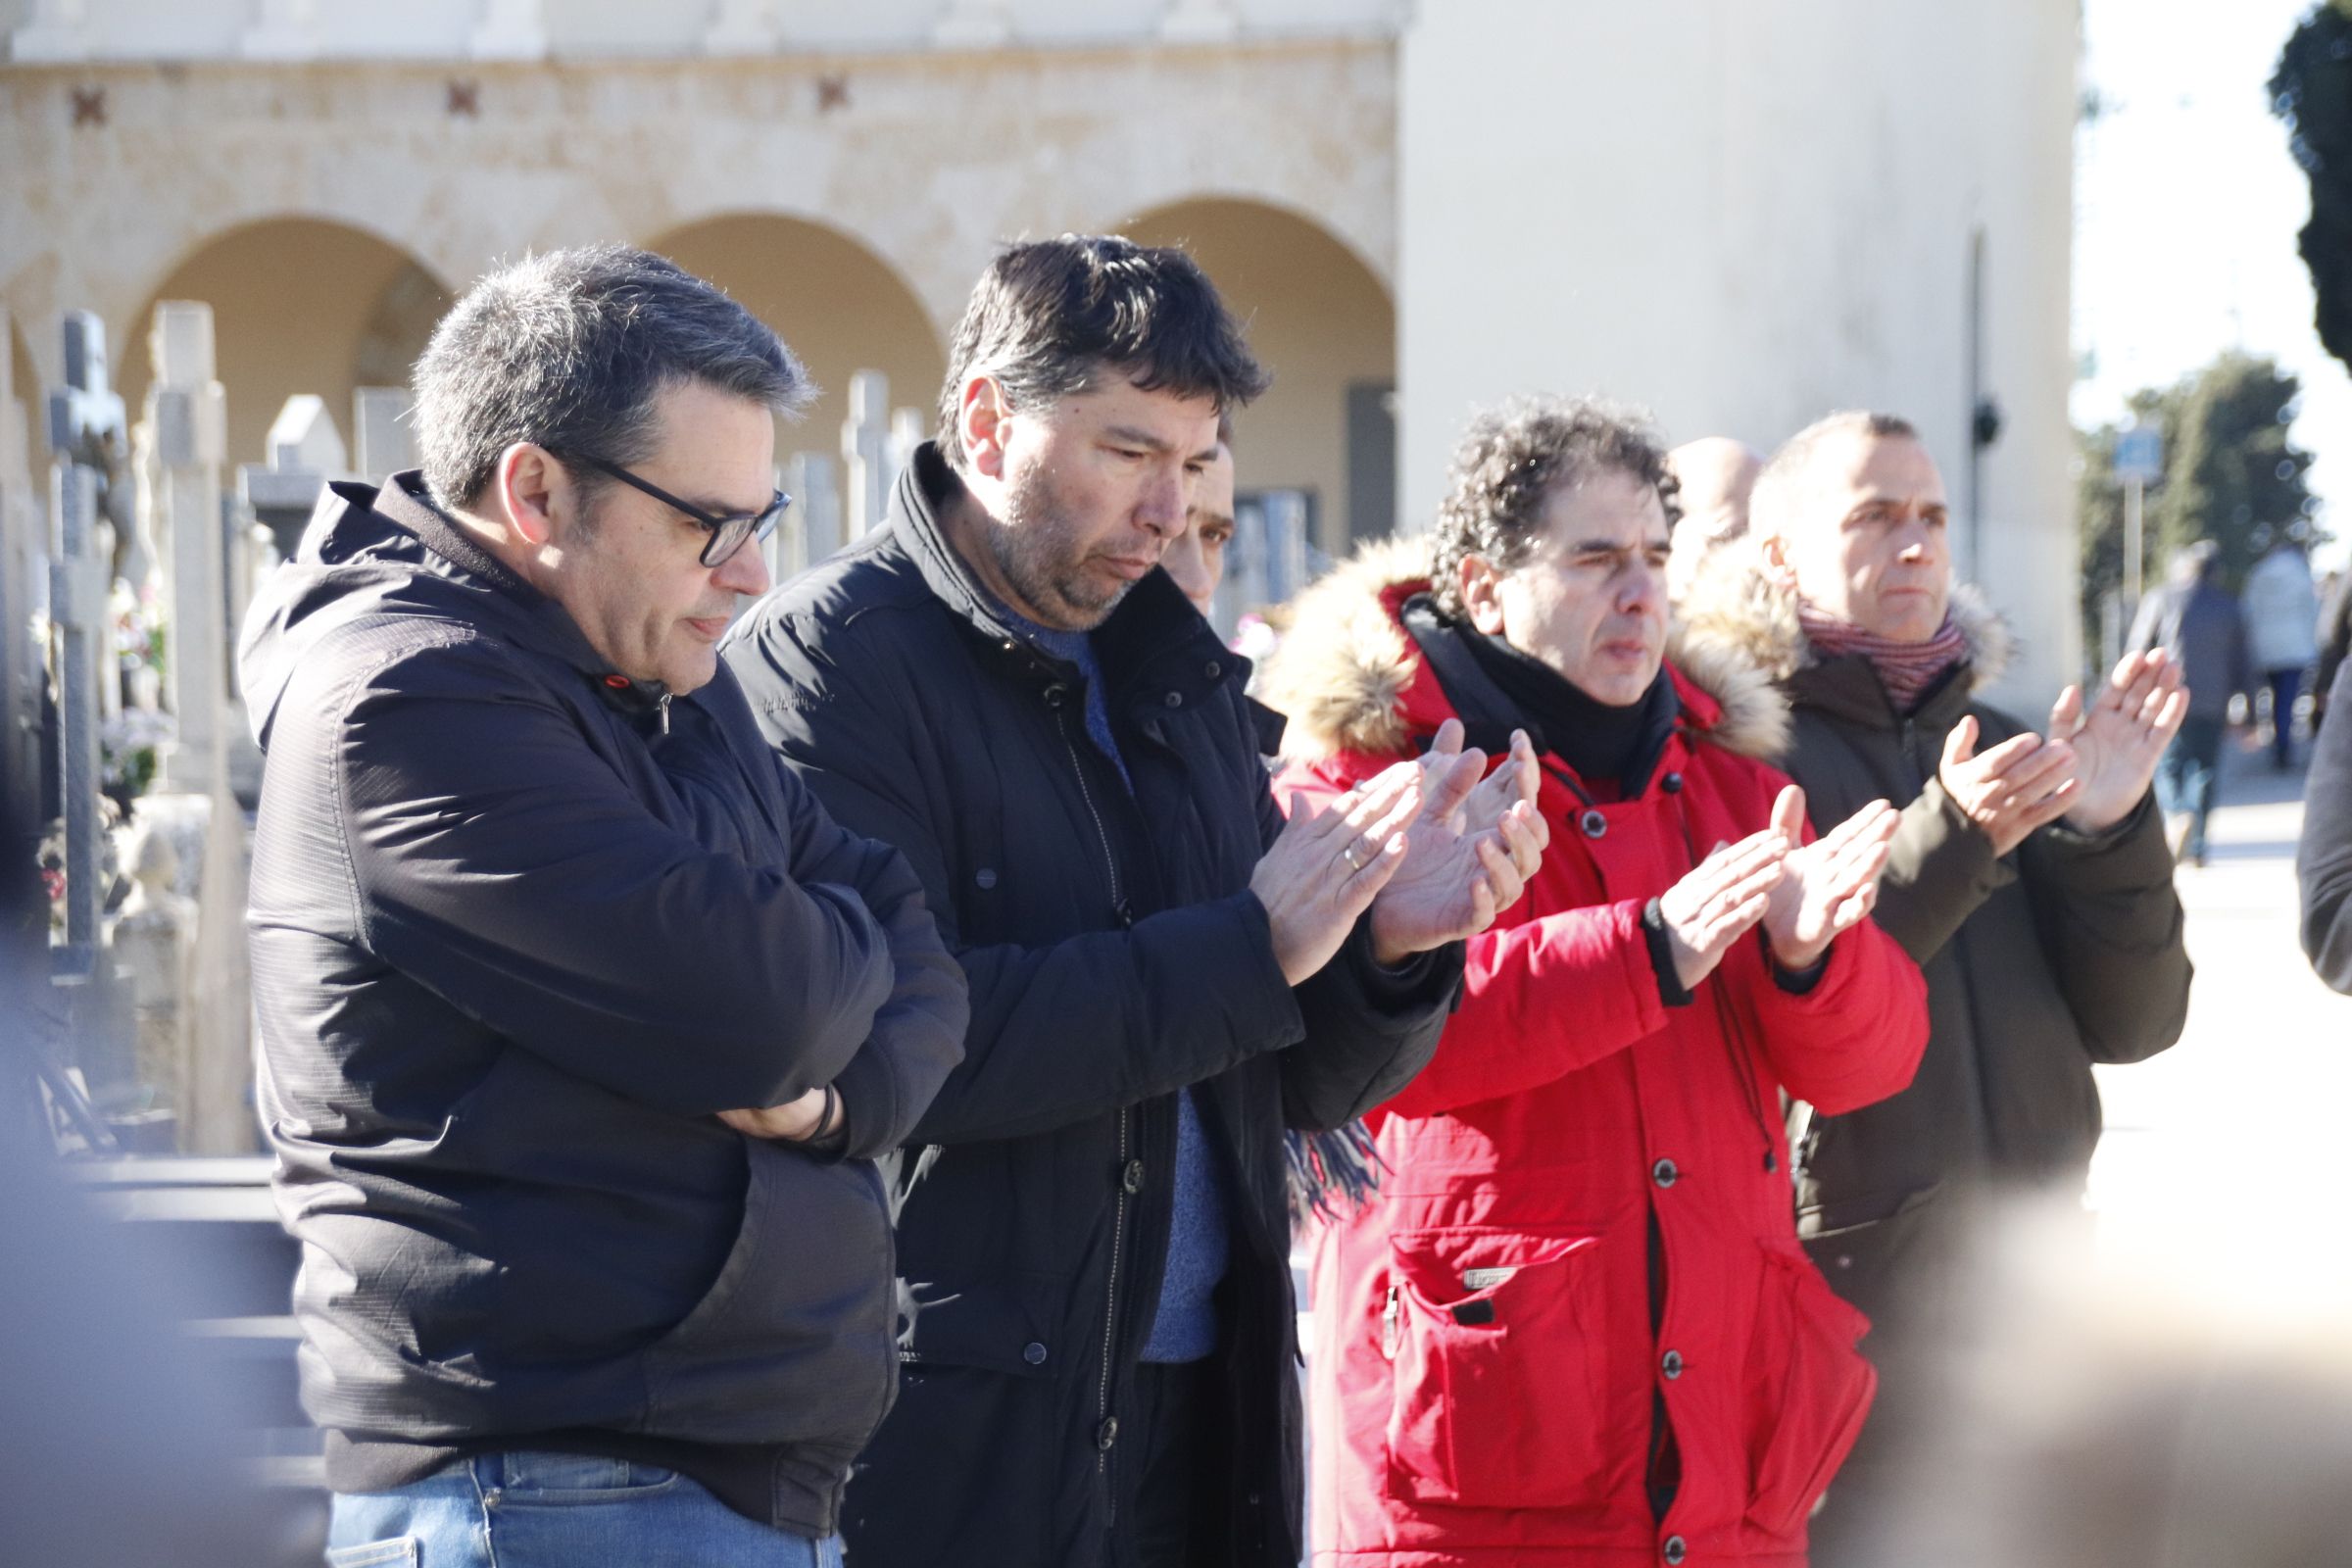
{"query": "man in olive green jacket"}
{"type": "Point", "coordinates": [2030, 880]}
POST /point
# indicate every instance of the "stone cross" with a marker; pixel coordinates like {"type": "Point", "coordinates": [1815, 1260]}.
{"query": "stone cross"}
{"type": "Point", "coordinates": [187, 411]}
{"type": "Point", "coordinates": [866, 449]}
{"type": "Point", "coordinates": [304, 450]}
{"type": "Point", "coordinates": [815, 509]}
{"type": "Point", "coordinates": [907, 432]}
{"type": "Point", "coordinates": [85, 420]}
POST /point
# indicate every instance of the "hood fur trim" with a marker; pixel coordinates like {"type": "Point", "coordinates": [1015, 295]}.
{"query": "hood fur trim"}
{"type": "Point", "coordinates": [1733, 608]}
{"type": "Point", "coordinates": [1343, 668]}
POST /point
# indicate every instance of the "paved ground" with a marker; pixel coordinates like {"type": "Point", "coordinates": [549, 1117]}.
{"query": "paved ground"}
{"type": "Point", "coordinates": [2248, 1110]}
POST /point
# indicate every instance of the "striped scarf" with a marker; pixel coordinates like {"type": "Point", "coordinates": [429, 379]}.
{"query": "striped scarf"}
{"type": "Point", "coordinates": [1906, 669]}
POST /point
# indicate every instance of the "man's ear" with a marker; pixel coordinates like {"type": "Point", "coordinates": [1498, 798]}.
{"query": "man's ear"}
{"type": "Point", "coordinates": [1772, 552]}
{"type": "Point", "coordinates": [1481, 588]}
{"type": "Point", "coordinates": [980, 424]}
{"type": "Point", "coordinates": [530, 492]}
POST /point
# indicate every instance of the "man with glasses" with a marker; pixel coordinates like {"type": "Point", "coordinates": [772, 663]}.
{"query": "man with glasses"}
{"type": "Point", "coordinates": [581, 1023]}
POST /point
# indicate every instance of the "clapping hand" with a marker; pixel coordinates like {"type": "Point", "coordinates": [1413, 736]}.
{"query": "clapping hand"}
{"type": "Point", "coordinates": [1830, 884]}
{"type": "Point", "coordinates": [2012, 789]}
{"type": "Point", "coordinates": [1468, 854]}
{"type": "Point", "coordinates": [2119, 742]}
{"type": "Point", "coordinates": [1323, 870]}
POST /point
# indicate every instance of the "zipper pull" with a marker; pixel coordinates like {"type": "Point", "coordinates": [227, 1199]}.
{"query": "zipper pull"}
{"type": "Point", "coordinates": [1390, 1321]}
{"type": "Point", "coordinates": [1125, 913]}
{"type": "Point", "coordinates": [666, 713]}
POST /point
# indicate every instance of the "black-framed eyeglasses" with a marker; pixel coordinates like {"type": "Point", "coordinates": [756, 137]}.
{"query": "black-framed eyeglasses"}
{"type": "Point", "coordinates": [728, 534]}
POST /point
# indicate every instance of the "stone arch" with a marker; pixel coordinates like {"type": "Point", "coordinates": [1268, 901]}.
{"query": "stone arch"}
{"type": "Point", "coordinates": [837, 301]}
{"type": "Point", "coordinates": [300, 304]}
{"type": "Point", "coordinates": [1320, 318]}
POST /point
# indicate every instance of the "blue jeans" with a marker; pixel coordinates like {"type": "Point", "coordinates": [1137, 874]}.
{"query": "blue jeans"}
{"type": "Point", "coordinates": [557, 1511]}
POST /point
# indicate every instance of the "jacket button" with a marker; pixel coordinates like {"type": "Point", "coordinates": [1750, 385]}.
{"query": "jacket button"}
{"type": "Point", "coordinates": [1055, 695]}
{"type": "Point", "coordinates": [985, 877]}
{"type": "Point", "coordinates": [1671, 1364]}
{"type": "Point", "coordinates": [1675, 1550]}
{"type": "Point", "coordinates": [1107, 1433]}
{"type": "Point", "coordinates": [1672, 783]}
{"type": "Point", "coordinates": [1175, 699]}
{"type": "Point", "coordinates": [1665, 1173]}
{"type": "Point", "coordinates": [1034, 1355]}
{"type": "Point", "coordinates": [1592, 822]}
{"type": "Point", "coordinates": [1211, 671]}
{"type": "Point", "coordinates": [1131, 1178]}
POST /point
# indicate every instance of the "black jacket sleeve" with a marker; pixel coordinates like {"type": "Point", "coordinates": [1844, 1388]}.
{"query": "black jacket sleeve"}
{"type": "Point", "coordinates": [1061, 1031]}
{"type": "Point", "coordinates": [2113, 927]}
{"type": "Point", "coordinates": [494, 858]}
{"type": "Point", "coordinates": [918, 1031]}
{"type": "Point", "coordinates": [2323, 860]}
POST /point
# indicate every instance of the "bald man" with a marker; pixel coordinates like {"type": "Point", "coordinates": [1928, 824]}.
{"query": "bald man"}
{"type": "Point", "coordinates": [1716, 474]}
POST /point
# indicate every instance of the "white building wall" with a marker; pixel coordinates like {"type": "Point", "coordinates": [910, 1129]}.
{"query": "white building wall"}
{"type": "Point", "coordinates": [1742, 215]}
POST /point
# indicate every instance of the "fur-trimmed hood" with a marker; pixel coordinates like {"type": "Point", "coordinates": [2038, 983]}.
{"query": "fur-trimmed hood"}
{"type": "Point", "coordinates": [1735, 610]}
{"type": "Point", "coordinates": [1345, 667]}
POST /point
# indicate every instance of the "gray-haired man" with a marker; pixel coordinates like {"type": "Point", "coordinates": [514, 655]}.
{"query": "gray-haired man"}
{"type": "Point", "coordinates": [581, 1021]}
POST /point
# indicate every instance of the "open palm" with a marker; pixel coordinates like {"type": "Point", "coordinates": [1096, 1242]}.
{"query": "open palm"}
{"type": "Point", "coordinates": [2119, 742]}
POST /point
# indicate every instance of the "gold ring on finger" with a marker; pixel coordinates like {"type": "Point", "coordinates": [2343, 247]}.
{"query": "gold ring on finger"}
{"type": "Point", "coordinates": [1348, 855]}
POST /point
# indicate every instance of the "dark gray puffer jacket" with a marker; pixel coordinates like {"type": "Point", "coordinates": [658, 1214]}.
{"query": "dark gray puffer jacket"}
{"type": "Point", "coordinates": [519, 929]}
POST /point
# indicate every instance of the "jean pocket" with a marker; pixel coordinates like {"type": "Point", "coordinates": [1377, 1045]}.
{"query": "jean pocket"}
{"type": "Point", "coordinates": [538, 1476]}
{"type": "Point", "coordinates": [1498, 1349]}
{"type": "Point", "coordinates": [401, 1552]}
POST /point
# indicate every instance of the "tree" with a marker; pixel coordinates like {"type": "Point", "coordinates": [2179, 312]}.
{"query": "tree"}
{"type": "Point", "coordinates": [2311, 93]}
{"type": "Point", "coordinates": [2230, 475]}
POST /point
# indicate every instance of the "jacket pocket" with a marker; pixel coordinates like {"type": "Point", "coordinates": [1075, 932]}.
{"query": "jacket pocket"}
{"type": "Point", "coordinates": [1497, 1347]}
{"type": "Point", "coordinates": [1809, 1392]}
{"type": "Point", "coordinates": [794, 1340]}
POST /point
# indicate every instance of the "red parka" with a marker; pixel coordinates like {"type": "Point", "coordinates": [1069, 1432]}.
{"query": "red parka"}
{"type": "Point", "coordinates": [1587, 1214]}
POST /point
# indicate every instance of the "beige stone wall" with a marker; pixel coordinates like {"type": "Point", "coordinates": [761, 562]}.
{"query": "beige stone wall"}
{"type": "Point", "coordinates": [925, 160]}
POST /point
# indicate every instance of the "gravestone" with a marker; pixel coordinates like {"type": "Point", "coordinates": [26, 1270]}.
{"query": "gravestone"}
{"type": "Point", "coordinates": [304, 451]}
{"type": "Point", "coordinates": [381, 439]}
{"type": "Point", "coordinates": [815, 514]}
{"type": "Point", "coordinates": [187, 414]}
{"type": "Point", "coordinates": [865, 453]}
{"type": "Point", "coordinates": [907, 432]}
{"type": "Point", "coordinates": [85, 420]}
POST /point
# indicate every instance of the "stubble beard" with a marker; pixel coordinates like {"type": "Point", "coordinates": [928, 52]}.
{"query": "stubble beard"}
{"type": "Point", "coordinates": [1034, 548]}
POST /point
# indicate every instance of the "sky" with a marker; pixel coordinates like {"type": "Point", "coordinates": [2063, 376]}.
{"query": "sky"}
{"type": "Point", "coordinates": [2186, 206]}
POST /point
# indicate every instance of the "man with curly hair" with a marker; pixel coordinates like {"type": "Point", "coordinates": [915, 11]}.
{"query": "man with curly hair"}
{"type": "Point", "coordinates": [1574, 1326]}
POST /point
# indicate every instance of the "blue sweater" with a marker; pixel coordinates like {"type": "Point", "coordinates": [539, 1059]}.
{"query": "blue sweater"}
{"type": "Point", "coordinates": [1185, 1326]}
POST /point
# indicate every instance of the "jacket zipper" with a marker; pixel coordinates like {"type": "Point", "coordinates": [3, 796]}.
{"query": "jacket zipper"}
{"type": "Point", "coordinates": [1118, 899]}
{"type": "Point", "coordinates": [1119, 1220]}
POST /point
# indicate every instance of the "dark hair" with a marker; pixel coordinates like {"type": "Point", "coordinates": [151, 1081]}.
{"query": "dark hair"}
{"type": "Point", "coordinates": [1784, 484]}
{"type": "Point", "coordinates": [1509, 462]}
{"type": "Point", "coordinates": [569, 350]}
{"type": "Point", "coordinates": [1048, 315]}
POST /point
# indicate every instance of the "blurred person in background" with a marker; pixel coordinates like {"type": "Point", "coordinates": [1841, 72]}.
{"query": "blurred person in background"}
{"type": "Point", "coordinates": [1713, 478]}
{"type": "Point", "coordinates": [2282, 613]}
{"type": "Point", "coordinates": [2197, 622]}
{"type": "Point", "coordinates": [1572, 1326]}
{"type": "Point", "coordinates": [2029, 878]}
{"type": "Point", "coordinates": [1196, 558]}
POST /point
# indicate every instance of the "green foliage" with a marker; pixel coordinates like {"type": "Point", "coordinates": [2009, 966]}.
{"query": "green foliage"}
{"type": "Point", "coordinates": [2311, 92]}
{"type": "Point", "coordinates": [2229, 475]}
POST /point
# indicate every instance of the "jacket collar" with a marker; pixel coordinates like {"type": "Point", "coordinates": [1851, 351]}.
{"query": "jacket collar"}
{"type": "Point", "coordinates": [1735, 607]}
{"type": "Point", "coordinates": [404, 502]}
{"type": "Point", "coordinates": [1152, 623]}
{"type": "Point", "coordinates": [1352, 677]}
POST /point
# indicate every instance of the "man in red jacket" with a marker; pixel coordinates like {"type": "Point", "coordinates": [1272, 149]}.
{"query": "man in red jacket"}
{"type": "Point", "coordinates": [1574, 1326]}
